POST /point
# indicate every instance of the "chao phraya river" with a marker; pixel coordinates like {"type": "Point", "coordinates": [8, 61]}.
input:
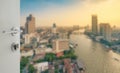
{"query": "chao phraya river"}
{"type": "Point", "coordinates": [96, 58]}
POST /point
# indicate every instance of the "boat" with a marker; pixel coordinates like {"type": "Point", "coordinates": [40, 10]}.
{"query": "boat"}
{"type": "Point", "coordinates": [116, 59]}
{"type": "Point", "coordinates": [73, 45]}
{"type": "Point", "coordinates": [80, 65]}
{"type": "Point", "coordinates": [76, 44]}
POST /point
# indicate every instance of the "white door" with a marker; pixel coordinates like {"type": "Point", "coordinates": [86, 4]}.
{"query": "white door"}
{"type": "Point", "coordinates": [9, 18]}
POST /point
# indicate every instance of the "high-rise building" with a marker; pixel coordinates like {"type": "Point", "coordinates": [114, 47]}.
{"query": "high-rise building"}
{"type": "Point", "coordinates": [54, 29]}
{"type": "Point", "coordinates": [94, 24]}
{"type": "Point", "coordinates": [105, 31]}
{"type": "Point", "coordinates": [30, 24]}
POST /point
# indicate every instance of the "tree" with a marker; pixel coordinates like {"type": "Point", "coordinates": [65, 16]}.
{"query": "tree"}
{"type": "Point", "coordinates": [46, 71]}
{"type": "Point", "coordinates": [39, 60]}
{"type": "Point", "coordinates": [56, 70]}
{"type": "Point", "coordinates": [74, 57]}
{"type": "Point", "coordinates": [23, 63]}
{"type": "Point", "coordinates": [50, 57]}
{"type": "Point", "coordinates": [31, 69]}
{"type": "Point", "coordinates": [69, 54]}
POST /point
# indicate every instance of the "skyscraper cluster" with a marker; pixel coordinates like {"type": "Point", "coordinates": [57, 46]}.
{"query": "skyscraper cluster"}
{"type": "Point", "coordinates": [103, 30]}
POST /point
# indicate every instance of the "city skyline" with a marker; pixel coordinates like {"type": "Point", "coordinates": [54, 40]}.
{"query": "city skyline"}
{"type": "Point", "coordinates": [70, 12]}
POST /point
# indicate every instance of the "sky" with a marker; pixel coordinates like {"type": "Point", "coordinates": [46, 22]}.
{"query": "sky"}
{"type": "Point", "coordinates": [70, 12]}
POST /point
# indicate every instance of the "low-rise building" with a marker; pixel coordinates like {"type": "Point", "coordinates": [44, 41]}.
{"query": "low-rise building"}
{"type": "Point", "coordinates": [41, 66]}
{"type": "Point", "coordinates": [63, 35]}
{"type": "Point", "coordinates": [28, 37]}
{"type": "Point", "coordinates": [59, 45]}
{"type": "Point", "coordinates": [68, 67]}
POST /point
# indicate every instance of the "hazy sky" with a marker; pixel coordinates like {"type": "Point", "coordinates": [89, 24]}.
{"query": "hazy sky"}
{"type": "Point", "coordinates": [71, 12]}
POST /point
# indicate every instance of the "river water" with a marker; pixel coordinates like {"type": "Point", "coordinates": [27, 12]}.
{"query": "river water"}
{"type": "Point", "coordinates": [96, 58]}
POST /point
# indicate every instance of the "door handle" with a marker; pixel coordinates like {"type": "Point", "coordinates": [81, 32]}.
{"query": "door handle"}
{"type": "Point", "coordinates": [14, 46]}
{"type": "Point", "coordinates": [13, 31]}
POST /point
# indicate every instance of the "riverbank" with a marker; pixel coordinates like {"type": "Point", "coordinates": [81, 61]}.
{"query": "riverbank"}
{"type": "Point", "coordinates": [80, 67]}
{"type": "Point", "coordinates": [96, 57]}
{"type": "Point", "coordinates": [107, 44]}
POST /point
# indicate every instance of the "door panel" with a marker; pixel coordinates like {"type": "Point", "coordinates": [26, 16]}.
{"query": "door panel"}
{"type": "Point", "coordinates": [9, 18]}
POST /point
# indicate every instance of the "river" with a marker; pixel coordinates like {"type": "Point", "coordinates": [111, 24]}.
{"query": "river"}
{"type": "Point", "coordinates": [96, 58]}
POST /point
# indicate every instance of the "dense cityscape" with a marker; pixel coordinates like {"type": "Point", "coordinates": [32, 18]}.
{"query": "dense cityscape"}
{"type": "Point", "coordinates": [47, 49]}
{"type": "Point", "coordinates": [51, 50]}
{"type": "Point", "coordinates": [105, 34]}
{"type": "Point", "coordinates": [70, 36]}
